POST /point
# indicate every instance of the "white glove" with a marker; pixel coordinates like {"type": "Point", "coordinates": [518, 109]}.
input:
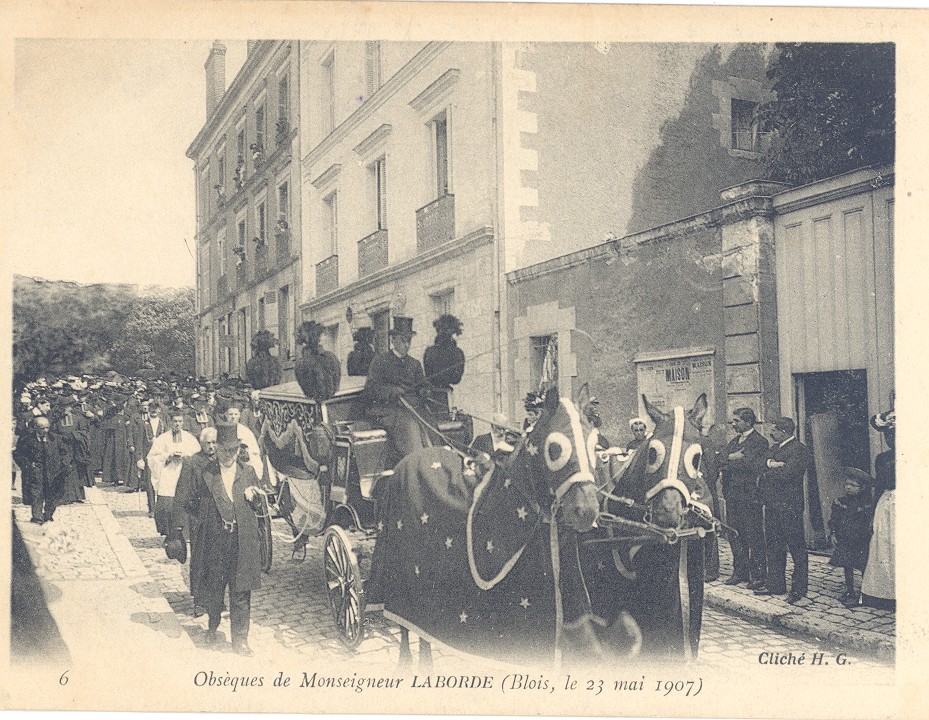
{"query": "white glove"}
{"type": "Point", "coordinates": [251, 492]}
{"type": "Point", "coordinates": [140, 464]}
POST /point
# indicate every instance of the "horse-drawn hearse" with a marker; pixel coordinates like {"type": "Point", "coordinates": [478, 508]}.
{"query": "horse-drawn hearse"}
{"type": "Point", "coordinates": [563, 550]}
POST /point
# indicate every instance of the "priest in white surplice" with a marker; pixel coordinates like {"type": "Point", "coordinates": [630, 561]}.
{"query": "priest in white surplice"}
{"type": "Point", "coordinates": [165, 460]}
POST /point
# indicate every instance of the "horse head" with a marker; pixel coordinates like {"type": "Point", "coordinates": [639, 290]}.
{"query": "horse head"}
{"type": "Point", "coordinates": [560, 449]}
{"type": "Point", "coordinates": [666, 468]}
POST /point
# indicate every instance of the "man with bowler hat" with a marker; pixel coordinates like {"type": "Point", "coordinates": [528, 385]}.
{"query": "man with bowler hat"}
{"type": "Point", "coordinates": [394, 375]}
{"type": "Point", "coordinates": [223, 499]}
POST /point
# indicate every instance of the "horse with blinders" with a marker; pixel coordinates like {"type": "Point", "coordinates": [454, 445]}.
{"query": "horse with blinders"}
{"type": "Point", "coordinates": [648, 556]}
{"type": "Point", "coordinates": [487, 562]}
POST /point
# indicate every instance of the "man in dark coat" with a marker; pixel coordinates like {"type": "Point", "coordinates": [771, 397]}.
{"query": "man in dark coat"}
{"type": "Point", "coordinates": [741, 464]}
{"type": "Point", "coordinates": [360, 357]}
{"type": "Point", "coordinates": [781, 487]}
{"type": "Point", "coordinates": [191, 471]}
{"type": "Point", "coordinates": [495, 443]}
{"type": "Point", "coordinates": [317, 371]}
{"type": "Point", "coordinates": [263, 369]}
{"type": "Point", "coordinates": [117, 441]}
{"type": "Point", "coordinates": [394, 375]}
{"type": "Point", "coordinates": [146, 427]}
{"type": "Point", "coordinates": [227, 537]}
{"type": "Point", "coordinates": [73, 429]}
{"type": "Point", "coordinates": [444, 361]}
{"type": "Point", "coordinates": [45, 462]}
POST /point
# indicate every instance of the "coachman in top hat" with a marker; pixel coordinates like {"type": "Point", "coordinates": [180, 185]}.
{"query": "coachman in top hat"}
{"type": "Point", "coordinates": [394, 375]}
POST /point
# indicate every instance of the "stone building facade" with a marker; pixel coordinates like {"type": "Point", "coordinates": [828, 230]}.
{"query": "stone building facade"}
{"type": "Point", "coordinates": [246, 166]}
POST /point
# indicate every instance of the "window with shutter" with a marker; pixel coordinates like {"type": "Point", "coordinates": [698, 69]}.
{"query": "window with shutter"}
{"type": "Point", "coordinates": [380, 192]}
{"type": "Point", "coordinates": [332, 219]}
{"type": "Point", "coordinates": [283, 101]}
{"type": "Point", "coordinates": [283, 202]}
{"type": "Point", "coordinates": [260, 126]}
{"type": "Point", "coordinates": [440, 143]}
{"type": "Point", "coordinates": [372, 66]}
{"type": "Point", "coordinates": [328, 86]}
{"type": "Point", "coordinates": [262, 223]}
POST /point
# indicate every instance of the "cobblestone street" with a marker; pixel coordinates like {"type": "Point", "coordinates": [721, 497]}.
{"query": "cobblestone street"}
{"type": "Point", "coordinates": [88, 544]}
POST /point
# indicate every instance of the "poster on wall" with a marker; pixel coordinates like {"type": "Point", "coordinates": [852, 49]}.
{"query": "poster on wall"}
{"type": "Point", "coordinates": [676, 377]}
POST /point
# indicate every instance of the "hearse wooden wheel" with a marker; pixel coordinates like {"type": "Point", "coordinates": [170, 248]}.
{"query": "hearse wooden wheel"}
{"type": "Point", "coordinates": [344, 585]}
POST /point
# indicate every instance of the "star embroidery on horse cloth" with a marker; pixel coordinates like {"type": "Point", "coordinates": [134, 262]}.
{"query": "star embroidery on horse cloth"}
{"type": "Point", "coordinates": [525, 603]}
{"type": "Point", "coordinates": [448, 543]}
{"type": "Point", "coordinates": [399, 524]}
{"type": "Point", "coordinates": [532, 449]}
{"type": "Point", "coordinates": [507, 483]}
{"type": "Point", "coordinates": [522, 512]}
{"type": "Point", "coordinates": [436, 465]}
{"type": "Point", "coordinates": [380, 525]}
{"type": "Point", "coordinates": [463, 618]}
{"type": "Point", "coordinates": [490, 546]}
{"type": "Point", "coordinates": [416, 569]}
{"type": "Point", "coordinates": [424, 518]}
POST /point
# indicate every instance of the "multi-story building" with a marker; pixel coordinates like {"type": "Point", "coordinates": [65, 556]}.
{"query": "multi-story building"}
{"type": "Point", "coordinates": [432, 169]}
{"type": "Point", "coordinates": [248, 210]}
{"type": "Point", "coordinates": [412, 176]}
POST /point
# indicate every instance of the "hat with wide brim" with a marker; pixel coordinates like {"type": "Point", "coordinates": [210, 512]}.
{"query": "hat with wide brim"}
{"type": "Point", "coordinates": [403, 327]}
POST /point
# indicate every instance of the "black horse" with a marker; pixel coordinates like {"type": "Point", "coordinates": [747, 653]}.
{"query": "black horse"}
{"type": "Point", "coordinates": [647, 557]}
{"type": "Point", "coordinates": [487, 562]}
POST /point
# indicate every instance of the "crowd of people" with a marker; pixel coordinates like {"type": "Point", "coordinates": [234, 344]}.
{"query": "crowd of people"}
{"type": "Point", "coordinates": [762, 484]}
{"type": "Point", "coordinates": [191, 446]}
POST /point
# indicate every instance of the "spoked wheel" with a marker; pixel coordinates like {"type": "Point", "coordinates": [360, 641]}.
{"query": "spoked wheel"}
{"type": "Point", "coordinates": [344, 585]}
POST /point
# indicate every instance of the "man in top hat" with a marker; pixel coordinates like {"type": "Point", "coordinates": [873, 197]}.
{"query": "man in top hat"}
{"type": "Point", "coordinates": [166, 459]}
{"type": "Point", "coordinates": [781, 488]}
{"type": "Point", "coordinates": [532, 404]}
{"type": "Point", "coordinates": [394, 375]}
{"type": "Point", "coordinates": [317, 371]}
{"type": "Point", "coordinates": [223, 499]}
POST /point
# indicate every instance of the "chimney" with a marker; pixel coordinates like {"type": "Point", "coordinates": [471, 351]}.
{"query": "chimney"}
{"type": "Point", "coordinates": [250, 47]}
{"type": "Point", "coordinates": [215, 67]}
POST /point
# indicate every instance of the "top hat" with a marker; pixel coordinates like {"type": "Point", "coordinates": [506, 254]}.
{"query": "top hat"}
{"type": "Point", "coordinates": [364, 335]}
{"type": "Point", "coordinates": [403, 327]}
{"type": "Point", "coordinates": [227, 436]}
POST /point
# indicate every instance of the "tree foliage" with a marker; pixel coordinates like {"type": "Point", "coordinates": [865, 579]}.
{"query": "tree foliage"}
{"type": "Point", "coordinates": [834, 109]}
{"type": "Point", "coordinates": [63, 328]}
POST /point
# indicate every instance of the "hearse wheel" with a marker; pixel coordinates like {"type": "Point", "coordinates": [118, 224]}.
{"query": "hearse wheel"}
{"type": "Point", "coordinates": [344, 585]}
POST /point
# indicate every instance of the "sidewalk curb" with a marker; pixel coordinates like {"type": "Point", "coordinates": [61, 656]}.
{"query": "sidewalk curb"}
{"type": "Point", "coordinates": [863, 642]}
{"type": "Point", "coordinates": [153, 599]}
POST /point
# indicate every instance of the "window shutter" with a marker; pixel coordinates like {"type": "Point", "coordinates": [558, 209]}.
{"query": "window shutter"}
{"type": "Point", "coordinates": [382, 194]}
